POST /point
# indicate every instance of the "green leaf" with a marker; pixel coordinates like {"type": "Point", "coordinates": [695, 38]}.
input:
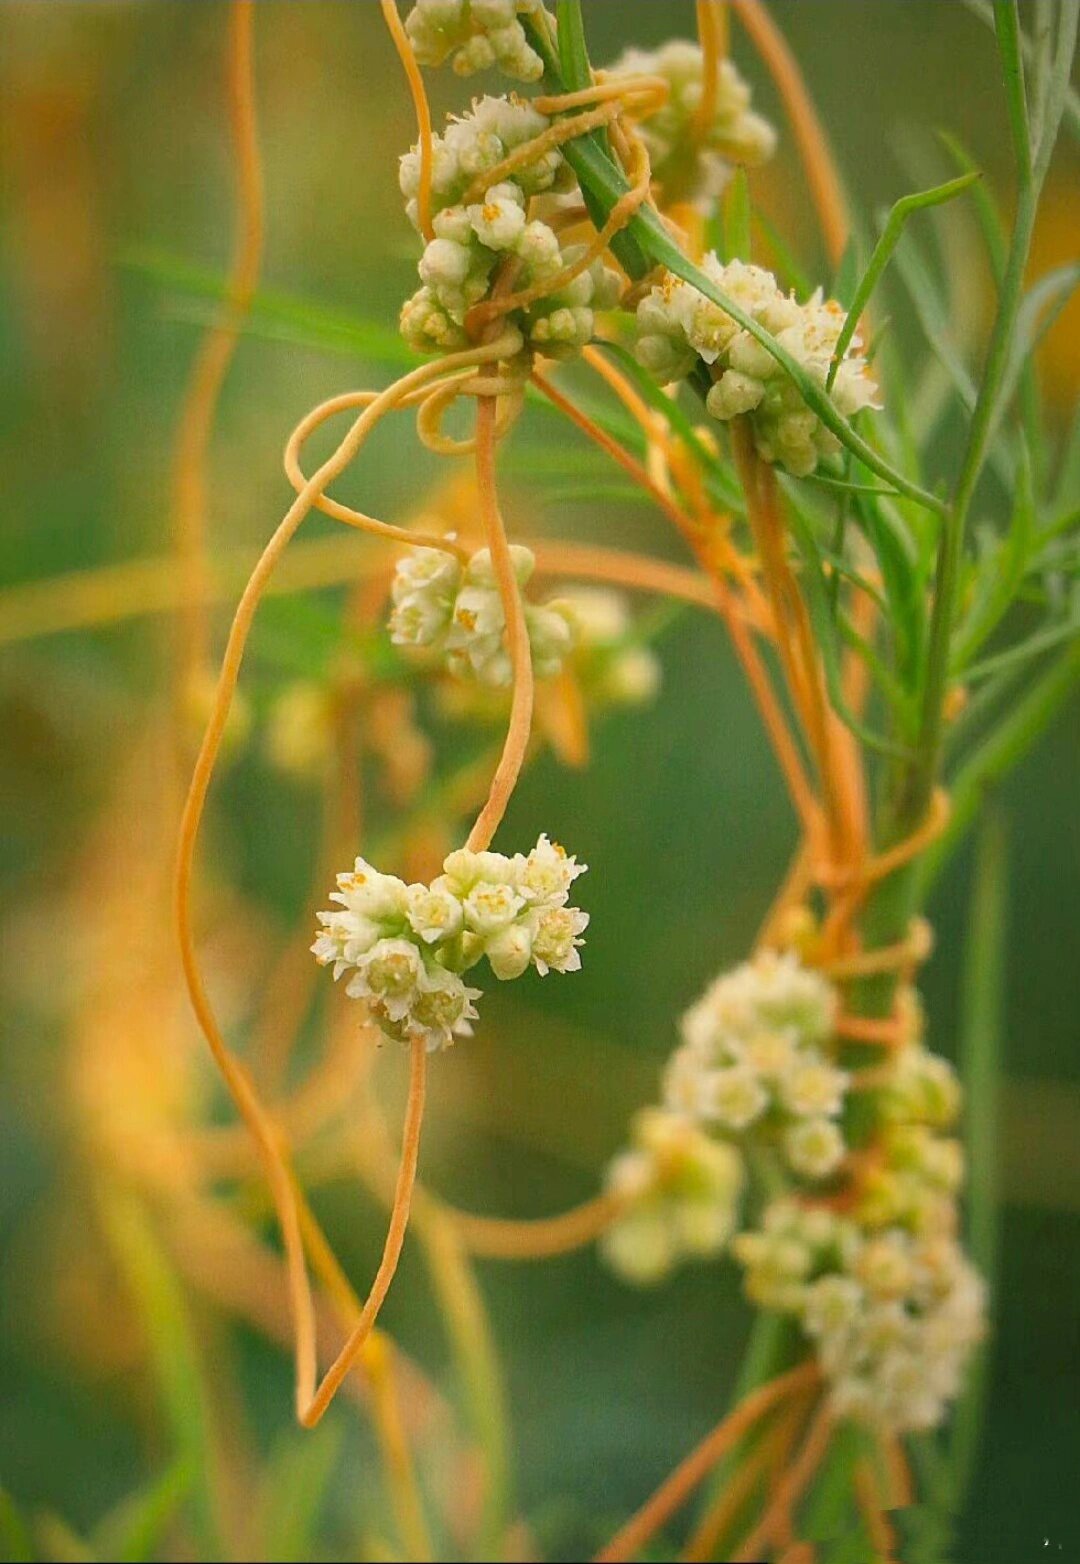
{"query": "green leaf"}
{"type": "Point", "coordinates": [846, 279]}
{"type": "Point", "coordinates": [173, 1352]}
{"type": "Point", "coordinates": [16, 1542]}
{"type": "Point", "coordinates": [737, 217]}
{"type": "Point", "coordinates": [901, 579]}
{"type": "Point", "coordinates": [132, 1532]}
{"type": "Point", "coordinates": [989, 218]}
{"type": "Point", "coordinates": [1055, 89]}
{"type": "Point", "coordinates": [573, 52]}
{"type": "Point", "coordinates": [882, 253]}
{"type": "Point", "coordinates": [1039, 309]}
{"type": "Point", "coordinates": [1003, 747]}
{"type": "Point", "coordinates": [1007, 27]}
{"type": "Point", "coordinates": [786, 267]}
{"type": "Point", "coordinates": [295, 1486]}
{"type": "Point", "coordinates": [1045, 640]}
{"type": "Point", "coordinates": [931, 311]}
{"type": "Point", "coordinates": [981, 1062]}
{"type": "Point", "coordinates": [817, 601]}
{"type": "Point", "coordinates": [984, 10]}
{"type": "Point", "coordinates": [999, 572]}
{"type": "Point", "coordinates": [277, 315]}
{"type": "Point", "coordinates": [823, 480]}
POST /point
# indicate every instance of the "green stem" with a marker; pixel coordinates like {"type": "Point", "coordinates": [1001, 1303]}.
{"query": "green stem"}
{"type": "Point", "coordinates": [982, 1010]}
{"type": "Point", "coordinates": [896, 900]}
{"type": "Point", "coordinates": [478, 1366]}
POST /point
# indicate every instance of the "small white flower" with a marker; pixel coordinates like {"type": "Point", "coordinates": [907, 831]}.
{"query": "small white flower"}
{"type": "Point", "coordinates": [556, 938]}
{"type": "Point", "coordinates": [490, 906]}
{"type": "Point", "coordinates": [442, 1008]}
{"type": "Point", "coordinates": [814, 1147]}
{"type": "Point", "coordinates": [433, 913]}
{"type": "Point", "coordinates": [499, 220]}
{"type": "Point", "coordinates": [736, 1097]}
{"type": "Point", "coordinates": [813, 1088]}
{"type": "Point", "coordinates": [771, 1053]}
{"type": "Point", "coordinates": [600, 617]}
{"type": "Point", "coordinates": [632, 677]}
{"type": "Point", "coordinates": [389, 975]}
{"type": "Point", "coordinates": [548, 872]}
{"type": "Point", "coordinates": [551, 636]}
{"type": "Point", "coordinates": [462, 869]}
{"type": "Point", "coordinates": [367, 893]}
{"type": "Point", "coordinates": [831, 1306]}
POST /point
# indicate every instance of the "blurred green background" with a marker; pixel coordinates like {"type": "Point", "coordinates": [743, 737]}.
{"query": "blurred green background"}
{"type": "Point", "coordinates": [115, 147]}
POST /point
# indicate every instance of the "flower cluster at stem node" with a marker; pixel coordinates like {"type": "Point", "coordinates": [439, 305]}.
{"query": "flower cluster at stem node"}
{"type": "Point", "coordinates": [677, 325]}
{"type": "Point", "coordinates": [408, 946]}
{"type": "Point", "coordinates": [692, 161]}
{"type": "Point", "coordinates": [476, 35]}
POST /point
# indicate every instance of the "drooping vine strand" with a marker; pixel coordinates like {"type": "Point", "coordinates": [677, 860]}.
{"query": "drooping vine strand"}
{"type": "Point", "coordinates": [677, 1488]}
{"type": "Point", "coordinates": [233, 1073]}
{"type": "Point", "coordinates": [190, 479]}
{"type": "Point", "coordinates": [517, 732]}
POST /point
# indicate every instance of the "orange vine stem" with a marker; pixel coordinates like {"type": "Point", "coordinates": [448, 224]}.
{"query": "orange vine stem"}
{"type": "Point", "coordinates": [415, 79]}
{"type": "Point", "coordinates": [677, 1488]}
{"type": "Point", "coordinates": [517, 634]}
{"type": "Point", "coordinates": [817, 159]}
{"type": "Point", "coordinates": [216, 350]}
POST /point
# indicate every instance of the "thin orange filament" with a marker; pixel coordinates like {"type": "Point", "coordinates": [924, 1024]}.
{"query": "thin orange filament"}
{"type": "Point", "coordinates": [676, 1489]}
{"type": "Point", "coordinates": [216, 351]}
{"type": "Point", "coordinates": [415, 79]}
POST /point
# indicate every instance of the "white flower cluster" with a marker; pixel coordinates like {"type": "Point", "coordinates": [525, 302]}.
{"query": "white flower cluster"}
{"type": "Point", "coordinates": [893, 1316]}
{"type": "Point", "coordinates": [754, 1056]}
{"type": "Point", "coordinates": [456, 612]}
{"type": "Point", "coordinates": [408, 945]}
{"type": "Point", "coordinates": [691, 161]}
{"type": "Point", "coordinates": [471, 239]}
{"type": "Point", "coordinates": [475, 143]}
{"type": "Point", "coordinates": [477, 34]}
{"type": "Point", "coordinates": [682, 1192]}
{"type": "Point", "coordinates": [677, 325]}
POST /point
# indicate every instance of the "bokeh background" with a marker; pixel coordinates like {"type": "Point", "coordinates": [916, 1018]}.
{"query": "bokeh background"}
{"type": "Point", "coordinates": [116, 178]}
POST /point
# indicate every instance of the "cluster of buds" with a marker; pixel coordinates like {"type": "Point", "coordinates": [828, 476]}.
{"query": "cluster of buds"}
{"type": "Point", "coordinates": [609, 662]}
{"type": "Point", "coordinates": [893, 1315]}
{"type": "Point", "coordinates": [692, 159]}
{"type": "Point", "coordinates": [408, 946]}
{"type": "Point", "coordinates": [613, 666]}
{"type": "Point", "coordinates": [677, 325]}
{"type": "Point", "coordinates": [918, 1175]}
{"type": "Point", "coordinates": [476, 35]}
{"type": "Point", "coordinates": [679, 1192]}
{"type": "Point", "coordinates": [455, 612]}
{"type": "Point", "coordinates": [755, 1059]}
{"type": "Point", "coordinates": [475, 239]}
